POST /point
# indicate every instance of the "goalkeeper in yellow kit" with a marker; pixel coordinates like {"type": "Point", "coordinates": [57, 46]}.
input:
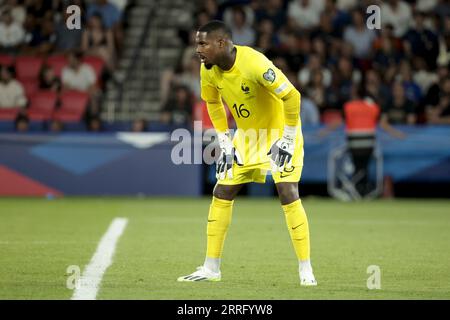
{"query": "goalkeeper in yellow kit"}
{"type": "Point", "coordinates": [266, 108]}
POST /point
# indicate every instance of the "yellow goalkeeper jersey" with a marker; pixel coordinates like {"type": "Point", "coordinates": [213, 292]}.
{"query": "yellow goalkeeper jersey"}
{"type": "Point", "coordinates": [252, 90]}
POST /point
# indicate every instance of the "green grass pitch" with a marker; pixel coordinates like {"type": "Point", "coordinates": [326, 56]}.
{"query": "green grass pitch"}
{"type": "Point", "coordinates": [165, 238]}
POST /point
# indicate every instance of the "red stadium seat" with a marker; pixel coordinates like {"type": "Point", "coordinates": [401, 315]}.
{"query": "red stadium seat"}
{"type": "Point", "coordinates": [6, 60]}
{"type": "Point", "coordinates": [42, 105]}
{"type": "Point", "coordinates": [332, 117]}
{"type": "Point", "coordinates": [73, 106]}
{"type": "Point", "coordinates": [28, 67]}
{"type": "Point", "coordinates": [57, 63]}
{"type": "Point", "coordinates": [96, 63]}
{"type": "Point", "coordinates": [31, 86]}
{"type": "Point", "coordinates": [9, 114]}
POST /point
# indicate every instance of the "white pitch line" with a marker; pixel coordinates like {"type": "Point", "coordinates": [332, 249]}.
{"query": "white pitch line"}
{"type": "Point", "coordinates": [87, 286]}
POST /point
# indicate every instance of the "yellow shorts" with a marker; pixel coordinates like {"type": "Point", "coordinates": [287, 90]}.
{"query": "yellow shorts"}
{"type": "Point", "coordinates": [257, 173]}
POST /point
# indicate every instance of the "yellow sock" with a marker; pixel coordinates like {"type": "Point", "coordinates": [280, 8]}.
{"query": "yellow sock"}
{"type": "Point", "coordinates": [219, 219]}
{"type": "Point", "coordinates": [297, 224]}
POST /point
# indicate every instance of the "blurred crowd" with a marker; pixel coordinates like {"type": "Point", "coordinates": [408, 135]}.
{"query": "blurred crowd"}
{"type": "Point", "coordinates": [326, 50]}
{"type": "Point", "coordinates": [42, 57]}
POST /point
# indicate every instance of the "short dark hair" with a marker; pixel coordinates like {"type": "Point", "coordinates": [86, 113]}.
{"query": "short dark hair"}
{"type": "Point", "coordinates": [216, 25]}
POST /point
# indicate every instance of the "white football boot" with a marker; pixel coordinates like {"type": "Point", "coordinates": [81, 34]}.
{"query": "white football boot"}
{"type": "Point", "coordinates": [202, 274]}
{"type": "Point", "coordinates": [307, 278]}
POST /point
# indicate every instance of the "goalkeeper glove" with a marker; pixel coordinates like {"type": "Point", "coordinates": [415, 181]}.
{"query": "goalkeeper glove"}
{"type": "Point", "coordinates": [228, 155]}
{"type": "Point", "coordinates": [282, 150]}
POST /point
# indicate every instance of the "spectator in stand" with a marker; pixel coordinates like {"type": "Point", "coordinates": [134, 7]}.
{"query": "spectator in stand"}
{"type": "Point", "coordinates": [243, 33]}
{"type": "Point", "coordinates": [347, 5]}
{"type": "Point", "coordinates": [67, 40]}
{"type": "Point", "coordinates": [333, 98]}
{"type": "Point", "coordinates": [266, 29]}
{"type": "Point", "coordinates": [317, 90]}
{"type": "Point", "coordinates": [263, 43]}
{"type": "Point", "coordinates": [359, 36]}
{"type": "Point", "coordinates": [12, 34]}
{"type": "Point", "coordinates": [388, 49]}
{"type": "Point", "coordinates": [178, 110]}
{"type": "Point", "coordinates": [339, 18]}
{"type": "Point", "coordinates": [304, 14]}
{"type": "Point", "coordinates": [377, 89]}
{"type": "Point", "coordinates": [325, 29]}
{"type": "Point", "coordinates": [190, 77]}
{"type": "Point", "coordinates": [272, 10]}
{"type": "Point", "coordinates": [309, 112]}
{"type": "Point", "coordinates": [12, 94]}
{"type": "Point", "coordinates": [397, 13]}
{"type": "Point", "coordinates": [319, 48]}
{"type": "Point", "coordinates": [440, 113]}
{"type": "Point", "coordinates": [436, 89]}
{"type": "Point", "coordinates": [48, 80]}
{"type": "Point", "coordinates": [202, 18]}
{"type": "Point", "coordinates": [41, 39]}
{"type": "Point", "coordinates": [120, 4]}
{"type": "Point", "coordinates": [291, 50]}
{"type": "Point", "coordinates": [346, 76]}
{"type": "Point", "coordinates": [314, 64]}
{"type": "Point", "coordinates": [80, 76]}
{"type": "Point", "coordinates": [426, 5]}
{"type": "Point", "coordinates": [110, 14]}
{"type": "Point", "coordinates": [39, 9]}
{"type": "Point", "coordinates": [189, 49]}
{"type": "Point", "coordinates": [248, 12]}
{"type": "Point", "coordinates": [444, 44]}
{"type": "Point", "coordinates": [111, 17]}
{"type": "Point", "coordinates": [412, 89]}
{"type": "Point", "coordinates": [212, 9]}
{"type": "Point", "coordinates": [17, 10]}
{"type": "Point", "coordinates": [98, 41]}
{"type": "Point", "coordinates": [421, 41]}
{"type": "Point", "coordinates": [442, 9]}
{"type": "Point", "coordinates": [399, 110]}
{"type": "Point", "coordinates": [423, 74]}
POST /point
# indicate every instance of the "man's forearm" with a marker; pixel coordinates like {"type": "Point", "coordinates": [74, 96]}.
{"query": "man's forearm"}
{"type": "Point", "coordinates": [292, 108]}
{"type": "Point", "coordinates": [218, 116]}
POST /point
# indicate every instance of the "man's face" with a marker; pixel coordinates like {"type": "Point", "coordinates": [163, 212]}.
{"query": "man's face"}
{"type": "Point", "coordinates": [209, 47]}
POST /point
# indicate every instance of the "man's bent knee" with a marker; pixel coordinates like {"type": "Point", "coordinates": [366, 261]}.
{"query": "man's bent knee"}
{"type": "Point", "coordinates": [287, 192]}
{"type": "Point", "coordinates": [226, 192]}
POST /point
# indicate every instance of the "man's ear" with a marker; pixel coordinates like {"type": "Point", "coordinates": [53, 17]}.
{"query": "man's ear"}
{"type": "Point", "coordinates": [221, 42]}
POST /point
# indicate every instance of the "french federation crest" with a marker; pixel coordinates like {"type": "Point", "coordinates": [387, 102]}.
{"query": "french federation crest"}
{"type": "Point", "coordinates": [269, 75]}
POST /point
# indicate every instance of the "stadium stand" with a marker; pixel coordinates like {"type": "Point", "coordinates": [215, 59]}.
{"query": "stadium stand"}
{"type": "Point", "coordinates": [154, 50]}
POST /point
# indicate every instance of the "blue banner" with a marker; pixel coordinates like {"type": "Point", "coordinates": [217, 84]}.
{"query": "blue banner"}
{"type": "Point", "coordinates": [94, 164]}
{"type": "Point", "coordinates": [143, 163]}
